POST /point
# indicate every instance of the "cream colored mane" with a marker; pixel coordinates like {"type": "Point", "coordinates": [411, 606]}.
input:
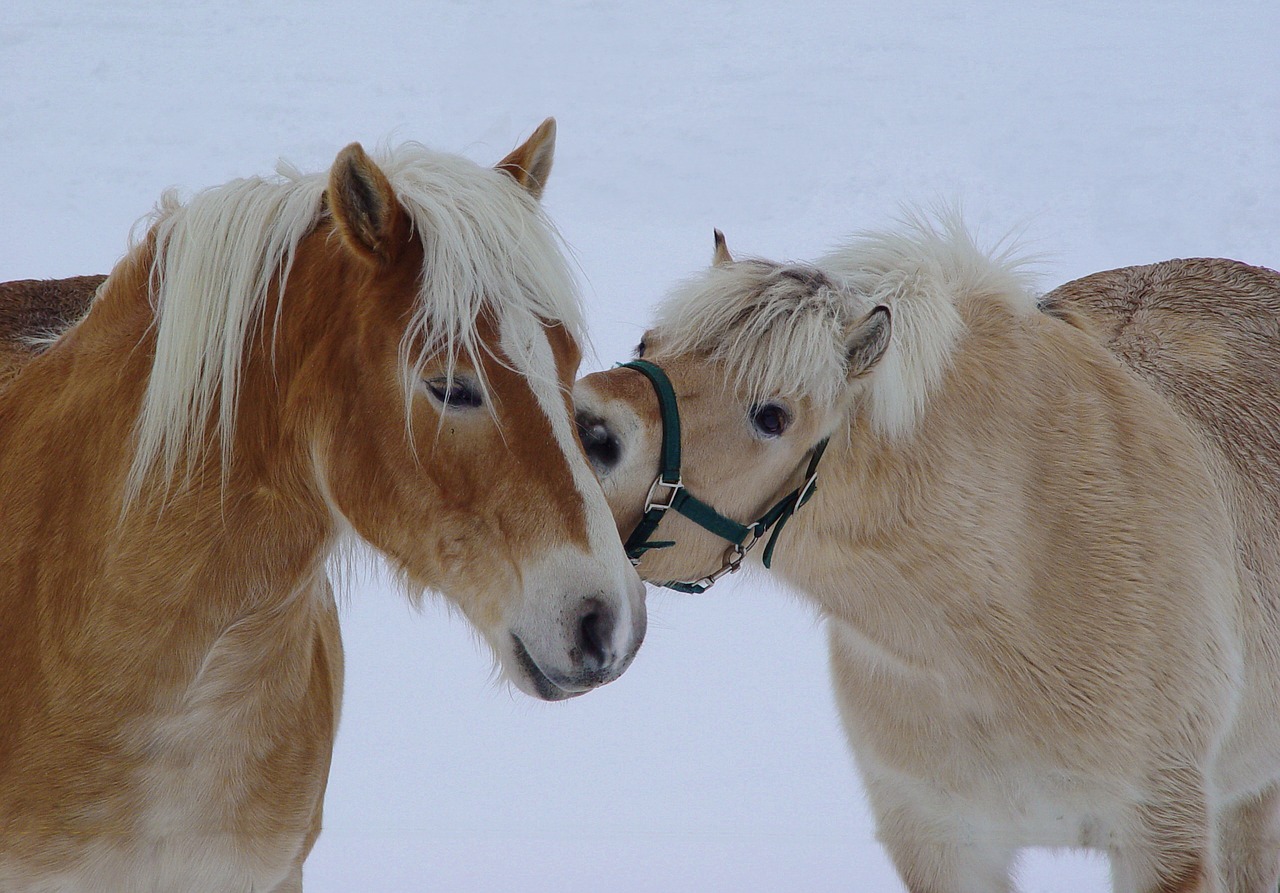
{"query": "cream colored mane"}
{"type": "Point", "coordinates": [217, 258]}
{"type": "Point", "coordinates": [779, 329]}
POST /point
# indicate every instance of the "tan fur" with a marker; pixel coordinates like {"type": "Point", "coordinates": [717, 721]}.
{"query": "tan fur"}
{"type": "Point", "coordinates": [1053, 603]}
{"type": "Point", "coordinates": [172, 666]}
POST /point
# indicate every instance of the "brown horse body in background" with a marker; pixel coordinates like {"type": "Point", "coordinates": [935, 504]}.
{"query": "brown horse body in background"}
{"type": "Point", "coordinates": [384, 351]}
{"type": "Point", "coordinates": [32, 309]}
{"type": "Point", "coordinates": [1046, 544]}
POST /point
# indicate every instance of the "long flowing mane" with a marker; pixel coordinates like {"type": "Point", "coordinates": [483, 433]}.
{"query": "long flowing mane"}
{"type": "Point", "coordinates": [217, 258]}
{"type": "Point", "coordinates": [778, 329]}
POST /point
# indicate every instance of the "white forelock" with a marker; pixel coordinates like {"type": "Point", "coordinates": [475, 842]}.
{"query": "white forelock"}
{"type": "Point", "coordinates": [485, 242]}
{"type": "Point", "coordinates": [782, 329]}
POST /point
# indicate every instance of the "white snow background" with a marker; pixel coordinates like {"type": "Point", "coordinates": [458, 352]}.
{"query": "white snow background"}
{"type": "Point", "coordinates": [1106, 133]}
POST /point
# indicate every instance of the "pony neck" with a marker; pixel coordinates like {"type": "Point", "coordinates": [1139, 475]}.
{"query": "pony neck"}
{"type": "Point", "coordinates": [906, 530]}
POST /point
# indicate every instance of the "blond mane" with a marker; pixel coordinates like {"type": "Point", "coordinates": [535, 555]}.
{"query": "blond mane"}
{"type": "Point", "coordinates": [780, 329]}
{"type": "Point", "coordinates": [217, 258]}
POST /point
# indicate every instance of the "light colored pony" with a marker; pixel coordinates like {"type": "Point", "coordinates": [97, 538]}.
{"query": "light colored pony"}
{"type": "Point", "coordinates": [382, 352]}
{"type": "Point", "coordinates": [1051, 580]}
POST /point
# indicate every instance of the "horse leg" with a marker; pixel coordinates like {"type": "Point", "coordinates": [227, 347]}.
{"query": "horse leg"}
{"type": "Point", "coordinates": [327, 684]}
{"type": "Point", "coordinates": [1249, 844]}
{"type": "Point", "coordinates": [293, 881]}
{"type": "Point", "coordinates": [1168, 847]}
{"type": "Point", "coordinates": [930, 864]}
{"type": "Point", "coordinates": [935, 851]}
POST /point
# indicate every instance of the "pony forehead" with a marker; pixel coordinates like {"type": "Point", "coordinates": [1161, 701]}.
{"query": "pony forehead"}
{"type": "Point", "coordinates": [781, 329]}
{"type": "Point", "coordinates": [731, 293]}
{"type": "Point", "coordinates": [776, 329]}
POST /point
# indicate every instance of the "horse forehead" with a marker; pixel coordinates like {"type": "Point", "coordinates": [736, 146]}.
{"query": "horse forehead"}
{"type": "Point", "coordinates": [807, 279]}
{"type": "Point", "coordinates": [510, 335]}
{"type": "Point", "coordinates": [759, 277]}
{"type": "Point", "coordinates": [537, 402]}
{"type": "Point", "coordinates": [565, 349]}
{"type": "Point", "coordinates": [624, 386]}
{"type": "Point", "coordinates": [529, 364]}
{"type": "Point", "coordinates": [692, 378]}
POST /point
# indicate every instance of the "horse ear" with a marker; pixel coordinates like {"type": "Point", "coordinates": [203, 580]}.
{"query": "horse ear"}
{"type": "Point", "coordinates": [530, 164]}
{"type": "Point", "coordinates": [868, 341]}
{"type": "Point", "coordinates": [364, 206]}
{"type": "Point", "coordinates": [722, 255]}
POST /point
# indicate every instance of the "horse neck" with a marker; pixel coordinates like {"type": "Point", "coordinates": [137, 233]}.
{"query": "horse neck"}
{"type": "Point", "coordinates": [224, 542]}
{"type": "Point", "coordinates": [905, 531]}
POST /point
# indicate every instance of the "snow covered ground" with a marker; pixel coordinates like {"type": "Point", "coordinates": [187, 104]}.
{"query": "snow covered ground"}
{"type": "Point", "coordinates": [1106, 133]}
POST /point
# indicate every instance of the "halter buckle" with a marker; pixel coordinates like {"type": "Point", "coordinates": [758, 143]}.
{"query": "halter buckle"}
{"type": "Point", "coordinates": [650, 504]}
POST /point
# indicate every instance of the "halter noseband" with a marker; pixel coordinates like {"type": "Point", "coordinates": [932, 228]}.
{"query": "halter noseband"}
{"type": "Point", "coordinates": [668, 493]}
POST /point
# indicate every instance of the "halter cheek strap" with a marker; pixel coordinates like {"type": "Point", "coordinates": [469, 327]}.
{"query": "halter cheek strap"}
{"type": "Point", "coordinates": [668, 493]}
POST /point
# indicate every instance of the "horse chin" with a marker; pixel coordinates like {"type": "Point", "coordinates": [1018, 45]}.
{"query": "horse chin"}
{"type": "Point", "coordinates": [532, 680]}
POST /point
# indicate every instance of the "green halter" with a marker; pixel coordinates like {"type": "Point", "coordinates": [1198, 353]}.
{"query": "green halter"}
{"type": "Point", "coordinates": [741, 537]}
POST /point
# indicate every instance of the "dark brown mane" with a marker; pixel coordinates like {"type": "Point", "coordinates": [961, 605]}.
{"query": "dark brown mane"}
{"type": "Point", "coordinates": [33, 308]}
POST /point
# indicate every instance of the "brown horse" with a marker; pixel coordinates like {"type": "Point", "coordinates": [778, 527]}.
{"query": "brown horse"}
{"type": "Point", "coordinates": [1051, 578]}
{"type": "Point", "coordinates": [382, 353]}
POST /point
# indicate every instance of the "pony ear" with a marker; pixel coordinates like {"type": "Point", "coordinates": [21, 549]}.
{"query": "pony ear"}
{"type": "Point", "coordinates": [868, 341]}
{"type": "Point", "coordinates": [722, 255]}
{"type": "Point", "coordinates": [530, 164]}
{"type": "Point", "coordinates": [364, 206]}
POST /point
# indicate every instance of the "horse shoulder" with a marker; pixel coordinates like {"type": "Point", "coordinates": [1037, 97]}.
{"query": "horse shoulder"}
{"type": "Point", "coordinates": [246, 744]}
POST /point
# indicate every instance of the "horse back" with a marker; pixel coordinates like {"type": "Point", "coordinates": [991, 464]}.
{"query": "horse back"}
{"type": "Point", "coordinates": [1205, 333]}
{"type": "Point", "coordinates": [34, 308]}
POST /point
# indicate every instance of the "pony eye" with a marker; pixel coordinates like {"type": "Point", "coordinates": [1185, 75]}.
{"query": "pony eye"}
{"type": "Point", "coordinates": [769, 419]}
{"type": "Point", "coordinates": [455, 393]}
{"type": "Point", "coordinates": [640, 349]}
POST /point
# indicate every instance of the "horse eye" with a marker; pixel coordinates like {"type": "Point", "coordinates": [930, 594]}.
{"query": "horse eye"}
{"type": "Point", "coordinates": [769, 419]}
{"type": "Point", "coordinates": [455, 393]}
{"type": "Point", "coordinates": [640, 349]}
